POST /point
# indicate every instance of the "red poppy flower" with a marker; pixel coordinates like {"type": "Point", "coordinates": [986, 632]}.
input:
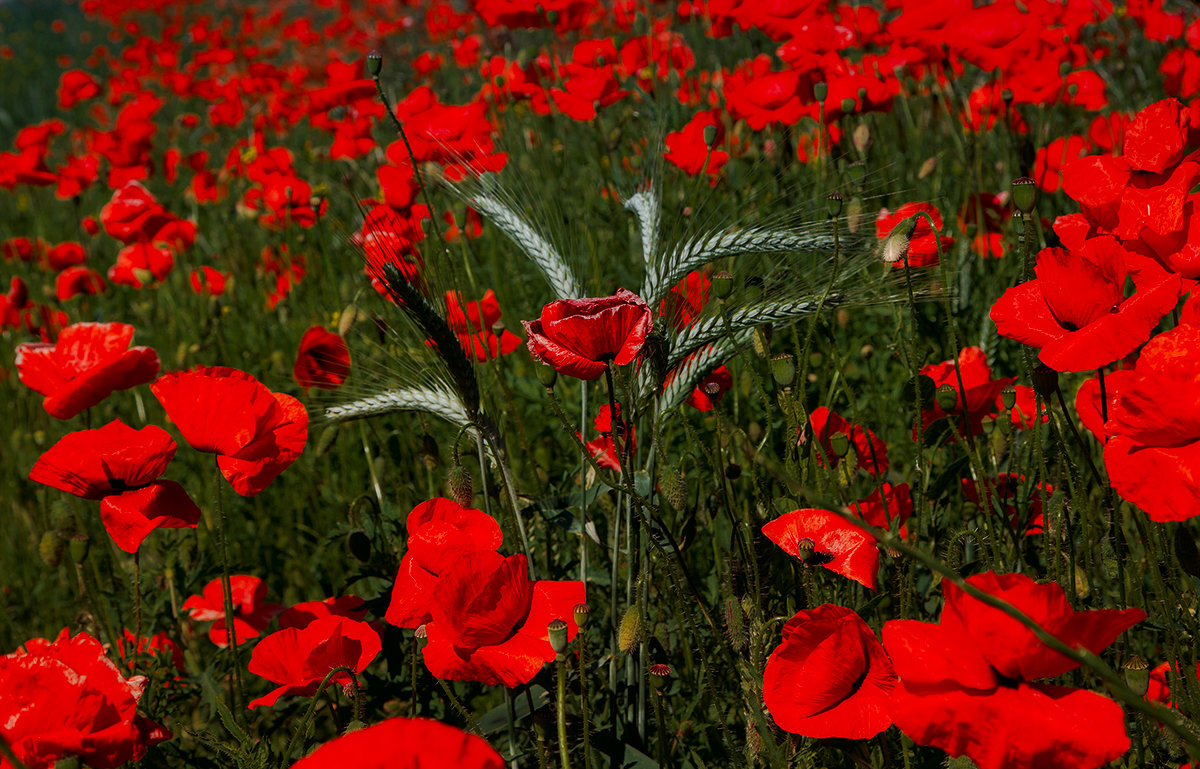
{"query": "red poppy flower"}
{"type": "Point", "coordinates": [133, 215]}
{"type": "Point", "coordinates": [1159, 689]}
{"type": "Point", "coordinates": [87, 363]}
{"type": "Point", "coordinates": [1053, 165]}
{"type": "Point", "coordinates": [982, 392]}
{"type": "Point", "coordinates": [688, 149]}
{"type": "Point", "coordinates": [254, 432]}
{"type": "Point", "coordinates": [301, 614]}
{"type": "Point", "coordinates": [1076, 310]}
{"type": "Point", "coordinates": [1154, 428]}
{"type": "Point", "coordinates": [208, 281]}
{"type": "Point", "coordinates": [604, 448]}
{"type": "Point", "coordinates": [323, 360]}
{"type": "Point", "coordinates": [160, 644]}
{"type": "Point", "coordinates": [686, 300]}
{"type": "Point", "coordinates": [437, 530]}
{"type": "Point", "coordinates": [886, 504]}
{"type": "Point", "coordinates": [300, 658]}
{"type": "Point", "coordinates": [475, 325]}
{"type": "Point", "coordinates": [869, 450]}
{"type": "Point", "coordinates": [251, 613]}
{"type": "Point", "coordinates": [967, 684]}
{"type": "Point", "coordinates": [66, 698]}
{"type": "Point", "coordinates": [489, 619]}
{"type": "Point", "coordinates": [706, 395]}
{"type": "Point", "coordinates": [404, 742]}
{"type": "Point", "coordinates": [1024, 509]}
{"type": "Point", "coordinates": [120, 466]}
{"type": "Point", "coordinates": [922, 245]}
{"type": "Point", "coordinates": [1087, 400]}
{"type": "Point", "coordinates": [74, 281]}
{"type": "Point", "coordinates": [830, 677]}
{"type": "Point", "coordinates": [580, 337]}
{"type": "Point", "coordinates": [75, 86]}
{"type": "Point", "coordinates": [141, 263]}
{"type": "Point", "coordinates": [822, 538]}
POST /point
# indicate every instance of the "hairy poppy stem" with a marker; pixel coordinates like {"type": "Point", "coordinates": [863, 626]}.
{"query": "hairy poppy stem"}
{"type": "Point", "coordinates": [7, 752]}
{"type": "Point", "coordinates": [472, 725]}
{"type": "Point", "coordinates": [564, 750]}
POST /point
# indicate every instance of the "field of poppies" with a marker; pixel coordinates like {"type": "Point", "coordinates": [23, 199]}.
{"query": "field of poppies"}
{"type": "Point", "coordinates": [701, 383]}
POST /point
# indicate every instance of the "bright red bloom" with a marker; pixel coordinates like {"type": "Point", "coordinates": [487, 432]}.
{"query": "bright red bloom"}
{"type": "Point", "coordinates": [404, 742]}
{"type": "Point", "coordinates": [604, 448]}
{"type": "Point", "coordinates": [981, 390]}
{"type": "Point", "coordinates": [580, 337]}
{"type": "Point", "coordinates": [251, 612]}
{"type": "Point", "coordinates": [685, 302]}
{"type": "Point", "coordinates": [66, 698]}
{"type": "Point", "coordinates": [133, 215]}
{"type": "Point", "coordinates": [922, 248]}
{"type": "Point", "coordinates": [120, 466]}
{"type": "Point", "coordinates": [475, 325]}
{"type": "Point", "coordinates": [869, 450]}
{"type": "Point", "coordinates": [323, 360]}
{"type": "Point", "coordinates": [687, 149]}
{"type": "Point", "coordinates": [1159, 689]}
{"type": "Point", "coordinates": [254, 432]}
{"type": "Point", "coordinates": [300, 658]}
{"type": "Point", "coordinates": [301, 614]}
{"type": "Point", "coordinates": [87, 363]}
{"type": "Point", "coordinates": [830, 540]}
{"type": "Point", "coordinates": [1087, 400]}
{"type": "Point", "coordinates": [74, 281]}
{"type": "Point", "coordinates": [1154, 428]}
{"type": "Point", "coordinates": [830, 677]}
{"type": "Point", "coordinates": [1053, 166]}
{"type": "Point", "coordinates": [75, 86]}
{"type": "Point", "coordinates": [1076, 310]}
{"type": "Point", "coordinates": [437, 530]}
{"type": "Point", "coordinates": [967, 684]}
{"type": "Point", "coordinates": [489, 619]}
{"type": "Point", "coordinates": [709, 392]}
{"type": "Point", "coordinates": [885, 504]}
{"type": "Point", "coordinates": [209, 281]}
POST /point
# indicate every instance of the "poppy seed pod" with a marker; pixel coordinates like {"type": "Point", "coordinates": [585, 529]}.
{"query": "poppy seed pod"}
{"type": "Point", "coordinates": [722, 284]}
{"type": "Point", "coordinates": [820, 90]}
{"type": "Point", "coordinates": [1137, 675]}
{"type": "Point", "coordinates": [557, 630]}
{"type": "Point", "coordinates": [710, 136]}
{"type": "Point", "coordinates": [783, 369]}
{"type": "Point", "coordinates": [581, 611]}
{"type": "Point", "coordinates": [839, 443]}
{"type": "Point", "coordinates": [659, 673]}
{"type": "Point", "coordinates": [805, 549]}
{"type": "Point", "coordinates": [946, 397]}
{"type": "Point", "coordinates": [834, 203]}
{"type": "Point", "coordinates": [80, 544]}
{"type": "Point", "coordinates": [1008, 396]}
{"type": "Point", "coordinates": [1024, 194]}
{"type": "Point", "coordinates": [1045, 381]}
{"type": "Point", "coordinates": [374, 63]}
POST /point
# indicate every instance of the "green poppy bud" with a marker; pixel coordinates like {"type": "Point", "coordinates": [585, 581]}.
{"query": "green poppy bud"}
{"type": "Point", "coordinates": [557, 630]}
{"type": "Point", "coordinates": [582, 612]}
{"type": "Point", "coordinates": [547, 375]}
{"type": "Point", "coordinates": [374, 63]}
{"type": "Point", "coordinates": [834, 203]}
{"type": "Point", "coordinates": [1137, 675]}
{"type": "Point", "coordinates": [783, 369]}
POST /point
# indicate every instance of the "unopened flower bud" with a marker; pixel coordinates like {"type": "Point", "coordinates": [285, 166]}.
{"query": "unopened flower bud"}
{"type": "Point", "coordinates": [659, 673]}
{"type": "Point", "coordinates": [51, 548]}
{"type": "Point", "coordinates": [582, 613]}
{"type": "Point", "coordinates": [462, 488]}
{"type": "Point", "coordinates": [946, 397]}
{"type": "Point", "coordinates": [557, 630]}
{"type": "Point", "coordinates": [631, 629]}
{"type": "Point", "coordinates": [710, 136]}
{"type": "Point", "coordinates": [805, 549]}
{"type": "Point", "coordinates": [848, 105]}
{"type": "Point", "coordinates": [721, 284]}
{"type": "Point", "coordinates": [783, 369]}
{"type": "Point", "coordinates": [359, 545]}
{"type": "Point", "coordinates": [1024, 194]}
{"type": "Point", "coordinates": [547, 375]}
{"type": "Point", "coordinates": [1137, 675]}
{"type": "Point", "coordinates": [374, 63]}
{"type": "Point", "coordinates": [62, 517]}
{"type": "Point", "coordinates": [834, 203]}
{"type": "Point", "coordinates": [820, 90]}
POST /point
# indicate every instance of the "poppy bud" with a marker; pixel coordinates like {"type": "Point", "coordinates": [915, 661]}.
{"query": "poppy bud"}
{"type": "Point", "coordinates": [659, 673]}
{"type": "Point", "coordinates": [547, 375]}
{"type": "Point", "coordinates": [348, 317]}
{"type": "Point", "coordinates": [895, 247]}
{"type": "Point", "coordinates": [462, 488]}
{"type": "Point", "coordinates": [1045, 381]}
{"type": "Point", "coordinates": [1137, 675]}
{"type": "Point", "coordinates": [710, 136]}
{"type": "Point", "coordinates": [582, 612]}
{"type": "Point", "coordinates": [721, 284]}
{"type": "Point", "coordinates": [374, 63]}
{"type": "Point", "coordinates": [1008, 396]}
{"type": "Point", "coordinates": [806, 547]}
{"type": "Point", "coordinates": [1024, 194]}
{"type": "Point", "coordinates": [631, 629]}
{"type": "Point", "coordinates": [820, 90]}
{"type": "Point", "coordinates": [783, 369]}
{"type": "Point", "coordinates": [674, 487]}
{"type": "Point", "coordinates": [857, 171]}
{"type": "Point", "coordinates": [946, 397]}
{"type": "Point", "coordinates": [327, 438]}
{"type": "Point", "coordinates": [51, 548]}
{"type": "Point", "coordinates": [79, 545]}
{"type": "Point", "coordinates": [834, 203]}
{"type": "Point", "coordinates": [359, 545]}
{"type": "Point", "coordinates": [848, 105]}
{"type": "Point", "coordinates": [1004, 424]}
{"type": "Point", "coordinates": [557, 630]}
{"type": "Point", "coordinates": [62, 517]}
{"type": "Point", "coordinates": [839, 444]}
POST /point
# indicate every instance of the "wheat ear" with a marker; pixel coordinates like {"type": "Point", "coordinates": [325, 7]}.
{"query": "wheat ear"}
{"type": "Point", "coordinates": [560, 277]}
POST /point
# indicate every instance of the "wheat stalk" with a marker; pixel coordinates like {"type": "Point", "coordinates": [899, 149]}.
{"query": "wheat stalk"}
{"type": "Point", "coordinates": [695, 368]}
{"type": "Point", "coordinates": [439, 401]}
{"type": "Point", "coordinates": [701, 250]}
{"type": "Point", "coordinates": [744, 319]}
{"type": "Point", "coordinates": [560, 277]}
{"type": "Point", "coordinates": [645, 206]}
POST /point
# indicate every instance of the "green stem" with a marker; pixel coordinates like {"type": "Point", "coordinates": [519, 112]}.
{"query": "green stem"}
{"type": "Point", "coordinates": [306, 722]}
{"type": "Point", "coordinates": [472, 725]}
{"type": "Point", "coordinates": [563, 748]}
{"type": "Point", "coordinates": [230, 630]}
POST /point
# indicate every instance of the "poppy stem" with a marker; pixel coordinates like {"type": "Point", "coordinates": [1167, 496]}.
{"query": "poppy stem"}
{"type": "Point", "coordinates": [137, 611]}
{"type": "Point", "coordinates": [1103, 396]}
{"type": "Point", "coordinates": [7, 752]}
{"type": "Point", "coordinates": [465, 714]}
{"type": "Point", "coordinates": [564, 751]}
{"type": "Point", "coordinates": [306, 722]}
{"type": "Point", "coordinates": [235, 693]}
